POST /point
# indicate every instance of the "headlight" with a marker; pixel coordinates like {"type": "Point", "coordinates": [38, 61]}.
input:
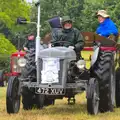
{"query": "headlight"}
{"type": "Point", "coordinates": [81, 64]}
{"type": "Point", "coordinates": [22, 62]}
{"type": "Point", "coordinates": [14, 66]}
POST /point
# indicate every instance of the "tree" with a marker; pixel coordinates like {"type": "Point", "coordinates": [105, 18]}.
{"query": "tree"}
{"type": "Point", "coordinates": [52, 8]}
{"type": "Point", "coordinates": [81, 11]}
{"type": "Point", "coordinates": [89, 21]}
{"type": "Point", "coordinates": [6, 47]}
{"type": "Point", "coordinates": [10, 10]}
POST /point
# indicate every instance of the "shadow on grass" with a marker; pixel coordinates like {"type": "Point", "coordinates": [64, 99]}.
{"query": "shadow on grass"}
{"type": "Point", "coordinates": [66, 109]}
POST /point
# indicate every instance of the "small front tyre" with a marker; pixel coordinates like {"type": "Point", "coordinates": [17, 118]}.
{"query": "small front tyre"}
{"type": "Point", "coordinates": [12, 96]}
{"type": "Point", "coordinates": [93, 96]}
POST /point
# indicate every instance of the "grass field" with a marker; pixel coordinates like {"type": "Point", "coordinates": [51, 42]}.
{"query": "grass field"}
{"type": "Point", "coordinates": [60, 111]}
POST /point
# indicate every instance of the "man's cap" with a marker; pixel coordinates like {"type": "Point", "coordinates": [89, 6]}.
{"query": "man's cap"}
{"type": "Point", "coordinates": [103, 13]}
{"type": "Point", "coordinates": [66, 18]}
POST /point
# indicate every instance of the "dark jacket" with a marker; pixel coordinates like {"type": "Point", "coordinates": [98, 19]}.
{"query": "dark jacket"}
{"type": "Point", "coordinates": [107, 28]}
{"type": "Point", "coordinates": [72, 35]}
{"type": "Point", "coordinates": [29, 44]}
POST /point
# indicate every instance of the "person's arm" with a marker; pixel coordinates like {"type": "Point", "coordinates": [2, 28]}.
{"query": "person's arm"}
{"type": "Point", "coordinates": [107, 30]}
{"type": "Point", "coordinates": [25, 45]}
{"type": "Point", "coordinates": [79, 41]}
{"type": "Point", "coordinates": [56, 35]}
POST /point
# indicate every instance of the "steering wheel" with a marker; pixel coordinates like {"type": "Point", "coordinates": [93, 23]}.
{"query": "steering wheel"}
{"type": "Point", "coordinates": [62, 43]}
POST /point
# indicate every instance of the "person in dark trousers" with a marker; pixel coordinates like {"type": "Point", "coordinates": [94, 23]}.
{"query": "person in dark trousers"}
{"type": "Point", "coordinates": [30, 43]}
{"type": "Point", "coordinates": [106, 27]}
{"type": "Point", "coordinates": [70, 34]}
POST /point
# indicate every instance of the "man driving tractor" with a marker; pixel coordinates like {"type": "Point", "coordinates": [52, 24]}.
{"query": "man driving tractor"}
{"type": "Point", "coordinates": [69, 34]}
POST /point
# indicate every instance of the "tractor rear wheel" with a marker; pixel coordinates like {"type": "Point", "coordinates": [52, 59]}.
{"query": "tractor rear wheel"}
{"type": "Point", "coordinates": [30, 67]}
{"type": "Point", "coordinates": [29, 74]}
{"type": "Point", "coordinates": [117, 96]}
{"type": "Point", "coordinates": [105, 70]}
{"type": "Point", "coordinates": [12, 96]}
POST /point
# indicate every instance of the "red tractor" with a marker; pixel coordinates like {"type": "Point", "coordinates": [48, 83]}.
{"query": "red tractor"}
{"type": "Point", "coordinates": [17, 62]}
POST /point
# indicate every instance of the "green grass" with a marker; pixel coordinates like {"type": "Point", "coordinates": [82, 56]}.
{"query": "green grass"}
{"type": "Point", "coordinates": [60, 111]}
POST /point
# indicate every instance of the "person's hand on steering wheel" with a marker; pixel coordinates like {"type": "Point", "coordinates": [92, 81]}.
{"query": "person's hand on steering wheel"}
{"type": "Point", "coordinates": [63, 43]}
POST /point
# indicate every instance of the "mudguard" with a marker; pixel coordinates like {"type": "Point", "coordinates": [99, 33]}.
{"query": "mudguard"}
{"type": "Point", "coordinates": [95, 56]}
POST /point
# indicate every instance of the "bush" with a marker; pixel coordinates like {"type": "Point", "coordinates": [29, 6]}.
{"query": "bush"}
{"type": "Point", "coordinates": [6, 49]}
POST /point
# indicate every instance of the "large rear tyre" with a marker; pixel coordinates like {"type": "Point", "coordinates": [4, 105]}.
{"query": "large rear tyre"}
{"type": "Point", "coordinates": [29, 74]}
{"type": "Point", "coordinates": [93, 96]}
{"type": "Point", "coordinates": [12, 96]}
{"type": "Point", "coordinates": [117, 96]}
{"type": "Point", "coordinates": [106, 72]}
{"type": "Point", "coordinates": [29, 71]}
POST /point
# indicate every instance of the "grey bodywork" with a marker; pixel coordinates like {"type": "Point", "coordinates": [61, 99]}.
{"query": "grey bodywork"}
{"type": "Point", "coordinates": [65, 55]}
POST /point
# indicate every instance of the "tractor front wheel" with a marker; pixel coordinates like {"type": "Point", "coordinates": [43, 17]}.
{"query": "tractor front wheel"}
{"type": "Point", "coordinates": [12, 95]}
{"type": "Point", "coordinates": [93, 96]}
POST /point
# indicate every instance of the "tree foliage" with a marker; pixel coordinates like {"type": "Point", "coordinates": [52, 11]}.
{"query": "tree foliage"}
{"type": "Point", "coordinates": [81, 11]}
{"type": "Point", "coordinates": [89, 21]}
{"type": "Point", "coordinates": [6, 47]}
{"type": "Point", "coordinates": [10, 10]}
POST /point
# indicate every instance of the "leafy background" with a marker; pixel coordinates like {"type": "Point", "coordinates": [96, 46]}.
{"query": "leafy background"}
{"type": "Point", "coordinates": [82, 12]}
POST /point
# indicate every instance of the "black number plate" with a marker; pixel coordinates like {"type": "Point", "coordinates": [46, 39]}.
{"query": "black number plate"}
{"type": "Point", "coordinates": [50, 91]}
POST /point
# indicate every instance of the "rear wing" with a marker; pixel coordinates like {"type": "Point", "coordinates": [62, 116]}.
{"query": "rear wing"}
{"type": "Point", "coordinates": [90, 37]}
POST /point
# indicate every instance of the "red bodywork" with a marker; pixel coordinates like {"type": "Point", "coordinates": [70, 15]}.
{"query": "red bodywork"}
{"type": "Point", "coordinates": [14, 57]}
{"type": "Point", "coordinates": [102, 48]}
